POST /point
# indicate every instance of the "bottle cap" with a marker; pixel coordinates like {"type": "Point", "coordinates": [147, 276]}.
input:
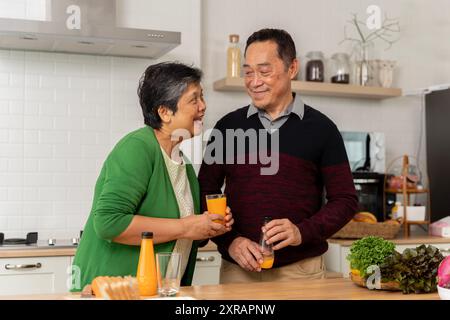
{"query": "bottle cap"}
{"type": "Point", "coordinates": [147, 235]}
{"type": "Point", "coordinates": [234, 38]}
{"type": "Point", "coordinates": [267, 219]}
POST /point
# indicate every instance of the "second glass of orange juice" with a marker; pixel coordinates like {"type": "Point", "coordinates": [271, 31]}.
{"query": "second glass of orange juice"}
{"type": "Point", "coordinates": [217, 204]}
{"type": "Point", "coordinates": [267, 249]}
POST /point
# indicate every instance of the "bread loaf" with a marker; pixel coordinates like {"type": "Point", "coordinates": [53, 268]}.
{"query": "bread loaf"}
{"type": "Point", "coordinates": [365, 217]}
{"type": "Point", "coordinates": [395, 222]}
{"type": "Point", "coordinates": [115, 288]}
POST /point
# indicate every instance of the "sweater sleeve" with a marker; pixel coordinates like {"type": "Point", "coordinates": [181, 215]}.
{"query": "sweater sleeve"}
{"type": "Point", "coordinates": [127, 172]}
{"type": "Point", "coordinates": [211, 178]}
{"type": "Point", "coordinates": [342, 202]}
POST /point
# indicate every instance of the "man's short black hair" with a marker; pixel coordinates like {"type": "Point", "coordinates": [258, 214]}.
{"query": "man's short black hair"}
{"type": "Point", "coordinates": [163, 84]}
{"type": "Point", "coordinates": [286, 46]}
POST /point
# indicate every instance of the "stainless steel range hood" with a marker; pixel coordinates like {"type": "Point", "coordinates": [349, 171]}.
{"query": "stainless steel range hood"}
{"type": "Point", "coordinates": [87, 27]}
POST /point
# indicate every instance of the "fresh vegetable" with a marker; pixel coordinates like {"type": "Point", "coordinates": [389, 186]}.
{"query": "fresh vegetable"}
{"type": "Point", "coordinates": [444, 273]}
{"type": "Point", "coordinates": [369, 251]}
{"type": "Point", "coordinates": [415, 269]}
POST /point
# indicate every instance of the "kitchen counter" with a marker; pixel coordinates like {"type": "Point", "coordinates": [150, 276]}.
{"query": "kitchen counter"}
{"type": "Point", "coordinates": [400, 240]}
{"type": "Point", "coordinates": [70, 251]}
{"type": "Point", "coordinates": [37, 252]}
{"type": "Point", "coordinates": [12, 252]}
{"type": "Point", "coordinates": [325, 289]}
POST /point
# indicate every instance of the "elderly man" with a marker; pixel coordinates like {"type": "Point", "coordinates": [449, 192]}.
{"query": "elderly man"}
{"type": "Point", "coordinates": [310, 157]}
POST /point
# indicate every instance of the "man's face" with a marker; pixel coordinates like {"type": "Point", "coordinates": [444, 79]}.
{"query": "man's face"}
{"type": "Point", "coordinates": [267, 79]}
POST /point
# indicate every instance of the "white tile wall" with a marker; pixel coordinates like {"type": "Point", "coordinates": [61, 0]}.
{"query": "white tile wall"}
{"type": "Point", "coordinates": [60, 115]}
{"type": "Point", "coordinates": [56, 128]}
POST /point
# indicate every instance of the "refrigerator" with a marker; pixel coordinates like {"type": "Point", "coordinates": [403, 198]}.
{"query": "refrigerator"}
{"type": "Point", "coordinates": [437, 121]}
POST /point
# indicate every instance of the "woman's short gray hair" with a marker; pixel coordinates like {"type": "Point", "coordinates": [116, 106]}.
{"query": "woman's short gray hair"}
{"type": "Point", "coordinates": [163, 84]}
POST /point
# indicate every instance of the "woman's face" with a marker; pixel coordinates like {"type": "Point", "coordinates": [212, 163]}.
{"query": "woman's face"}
{"type": "Point", "coordinates": [191, 109]}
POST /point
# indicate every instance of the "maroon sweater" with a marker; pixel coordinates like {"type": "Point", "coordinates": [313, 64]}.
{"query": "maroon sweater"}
{"type": "Point", "coordinates": [311, 157]}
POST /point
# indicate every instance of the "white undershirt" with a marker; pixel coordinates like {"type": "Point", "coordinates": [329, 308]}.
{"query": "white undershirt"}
{"type": "Point", "coordinates": [180, 184]}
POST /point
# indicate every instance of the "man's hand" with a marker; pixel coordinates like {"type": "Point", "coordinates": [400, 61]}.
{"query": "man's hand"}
{"type": "Point", "coordinates": [282, 231]}
{"type": "Point", "coordinates": [246, 253]}
{"type": "Point", "coordinates": [228, 220]}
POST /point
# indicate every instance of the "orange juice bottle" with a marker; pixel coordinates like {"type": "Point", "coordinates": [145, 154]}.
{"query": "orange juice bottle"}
{"type": "Point", "coordinates": [217, 204]}
{"type": "Point", "coordinates": [146, 272]}
{"type": "Point", "coordinates": [267, 250]}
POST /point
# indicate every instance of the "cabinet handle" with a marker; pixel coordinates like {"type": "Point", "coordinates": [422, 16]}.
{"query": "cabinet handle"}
{"type": "Point", "coordinates": [22, 266]}
{"type": "Point", "coordinates": [205, 259]}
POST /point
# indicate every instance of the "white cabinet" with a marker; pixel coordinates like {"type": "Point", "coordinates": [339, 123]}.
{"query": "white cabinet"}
{"type": "Point", "coordinates": [36, 275]}
{"type": "Point", "coordinates": [207, 268]}
{"type": "Point", "coordinates": [336, 256]}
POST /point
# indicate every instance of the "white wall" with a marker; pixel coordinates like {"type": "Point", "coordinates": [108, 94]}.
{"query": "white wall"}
{"type": "Point", "coordinates": [423, 55]}
{"type": "Point", "coordinates": [61, 114]}
{"type": "Point", "coordinates": [24, 9]}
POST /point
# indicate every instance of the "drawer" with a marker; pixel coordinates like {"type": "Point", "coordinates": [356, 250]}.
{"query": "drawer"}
{"type": "Point", "coordinates": [37, 275]}
{"type": "Point", "coordinates": [208, 258]}
{"type": "Point", "coordinates": [207, 268]}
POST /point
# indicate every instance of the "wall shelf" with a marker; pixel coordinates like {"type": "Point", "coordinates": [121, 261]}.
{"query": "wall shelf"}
{"type": "Point", "coordinates": [319, 89]}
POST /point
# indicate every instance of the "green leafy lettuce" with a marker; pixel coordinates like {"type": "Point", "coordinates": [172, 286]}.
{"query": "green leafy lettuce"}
{"type": "Point", "coordinates": [415, 269]}
{"type": "Point", "coordinates": [369, 251]}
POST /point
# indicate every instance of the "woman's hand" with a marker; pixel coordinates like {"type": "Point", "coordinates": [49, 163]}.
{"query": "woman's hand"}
{"type": "Point", "coordinates": [199, 227]}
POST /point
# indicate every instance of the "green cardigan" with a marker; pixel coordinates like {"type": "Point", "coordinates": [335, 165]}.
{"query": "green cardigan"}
{"type": "Point", "coordinates": [133, 180]}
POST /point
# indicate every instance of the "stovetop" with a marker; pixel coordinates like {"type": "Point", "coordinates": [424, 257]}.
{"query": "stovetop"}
{"type": "Point", "coordinates": [31, 242]}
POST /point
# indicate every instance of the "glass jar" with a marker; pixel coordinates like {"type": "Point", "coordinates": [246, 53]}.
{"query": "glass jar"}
{"type": "Point", "coordinates": [340, 64]}
{"type": "Point", "coordinates": [363, 70]}
{"type": "Point", "coordinates": [386, 72]}
{"type": "Point", "coordinates": [314, 66]}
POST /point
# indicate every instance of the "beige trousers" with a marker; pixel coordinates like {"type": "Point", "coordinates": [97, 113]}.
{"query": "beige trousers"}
{"type": "Point", "coordinates": [310, 268]}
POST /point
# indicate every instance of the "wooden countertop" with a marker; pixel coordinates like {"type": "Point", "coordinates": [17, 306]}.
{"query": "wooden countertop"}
{"type": "Point", "coordinates": [57, 252]}
{"type": "Point", "coordinates": [411, 240]}
{"type": "Point", "coordinates": [325, 289]}
{"type": "Point", "coordinates": [37, 252]}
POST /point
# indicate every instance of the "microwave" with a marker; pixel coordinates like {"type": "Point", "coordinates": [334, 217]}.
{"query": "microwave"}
{"type": "Point", "coordinates": [366, 151]}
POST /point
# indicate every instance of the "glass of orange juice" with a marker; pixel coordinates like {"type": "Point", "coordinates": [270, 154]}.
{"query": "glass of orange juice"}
{"type": "Point", "coordinates": [266, 249]}
{"type": "Point", "coordinates": [217, 204]}
{"type": "Point", "coordinates": [268, 256]}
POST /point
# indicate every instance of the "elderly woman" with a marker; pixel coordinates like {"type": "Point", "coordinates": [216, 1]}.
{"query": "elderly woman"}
{"type": "Point", "coordinates": [146, 185]}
